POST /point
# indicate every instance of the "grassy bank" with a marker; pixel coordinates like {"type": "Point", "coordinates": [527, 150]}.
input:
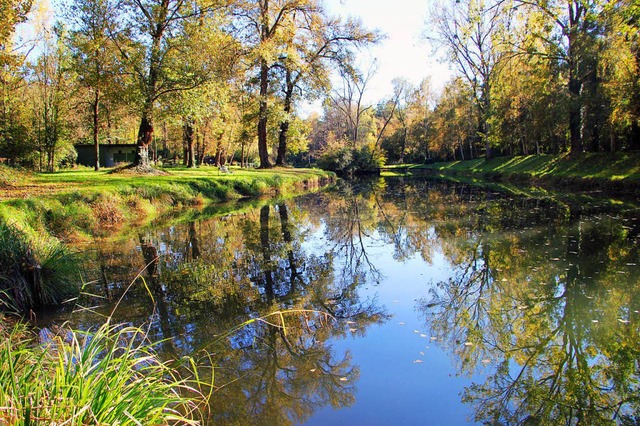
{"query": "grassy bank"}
{"type": "Point", "coordinates": [41, 213]}
{"type": "Point", "coordinates": [79, 204]}
{"type": "Point", "coordinates": [614, 171]}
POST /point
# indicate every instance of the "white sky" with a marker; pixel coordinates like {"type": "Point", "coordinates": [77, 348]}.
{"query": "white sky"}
{"type": "Point", "coordinates": [403, 53]}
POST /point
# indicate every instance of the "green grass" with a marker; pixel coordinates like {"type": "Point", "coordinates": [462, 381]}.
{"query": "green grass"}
{"type": "Point", "coordinates": [620, 169]}
{"type": "Point", "coordinates": [76, 205]}
{"type": "Point", "coordinates": [109, 376]}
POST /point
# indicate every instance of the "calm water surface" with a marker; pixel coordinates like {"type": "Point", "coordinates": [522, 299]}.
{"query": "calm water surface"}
{"type": "Point", "coordinates": [408, 302]}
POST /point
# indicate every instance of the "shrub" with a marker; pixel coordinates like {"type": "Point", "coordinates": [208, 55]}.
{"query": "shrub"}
{"type": "Point", "coordinates": [348, 160]}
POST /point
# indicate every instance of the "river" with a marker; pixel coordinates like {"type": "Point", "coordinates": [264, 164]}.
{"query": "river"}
{"type": "Point", "coordinates": [391, 302]}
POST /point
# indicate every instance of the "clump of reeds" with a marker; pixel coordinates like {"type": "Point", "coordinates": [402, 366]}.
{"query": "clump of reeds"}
{"type": "Point", "coordinates": [109, 376]}
{"type": "Point", "coordinates": [35, 276]}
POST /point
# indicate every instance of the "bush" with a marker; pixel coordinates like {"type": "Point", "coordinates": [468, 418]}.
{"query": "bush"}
{"type": "Point", "coordinates": [347, 160]}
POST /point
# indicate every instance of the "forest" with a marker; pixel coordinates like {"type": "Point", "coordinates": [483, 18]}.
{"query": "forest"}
{"type": "Point", "coordinates": [225, 81]}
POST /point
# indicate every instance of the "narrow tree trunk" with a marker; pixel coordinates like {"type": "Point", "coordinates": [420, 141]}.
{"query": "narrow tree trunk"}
{"type": "Point", "coordinates": [145, 135]}
{"type": "Point", "coordinates": [243, 160]}
{"type": "Point", "coordinates": [96, 144]}
{"type": "Point", "coordinates": [403, 148]}
{"type": "Point", "coordinates": [575, 137]}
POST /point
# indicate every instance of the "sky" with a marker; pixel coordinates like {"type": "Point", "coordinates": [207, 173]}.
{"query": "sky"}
{"type": "Point", "coordinates": [404, 53]}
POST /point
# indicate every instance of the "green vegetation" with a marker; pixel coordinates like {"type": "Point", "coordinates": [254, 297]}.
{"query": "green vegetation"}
{"type": "Point", "coordinates": [75, 206]}
{"type": "Point", "coordinates": [109, 376]}
{"type": "Point", "coordinates": [34, 275]}
{"type": "Point", "coordinates": [348, 160]}
{"type": "Point", "coordinates": [607, 170]}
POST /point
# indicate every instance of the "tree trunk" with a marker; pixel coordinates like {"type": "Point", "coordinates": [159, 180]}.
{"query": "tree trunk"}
{"type": "Point", "coordinates": [187, 134]}
{"type": "Point", "coordinates": [263, 149]}
{"type": "Point", "coordinates": [243, 160]}
{"type": "Point", "coordinates": [145, 135]}
{"type": "Point", "coordinates": [403, 148]}
{"type": "Point", "coordinates": [284, 126]}
{"type": "Point", "coordinates": [96, 144]}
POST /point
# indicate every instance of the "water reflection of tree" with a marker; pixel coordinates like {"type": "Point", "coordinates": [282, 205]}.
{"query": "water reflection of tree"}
{"type": "Point", "coordinates": [555, 320]}
{"type": "Point", "coordinates": [206, 277]}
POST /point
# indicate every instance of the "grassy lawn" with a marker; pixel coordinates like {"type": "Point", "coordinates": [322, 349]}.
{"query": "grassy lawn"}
{"type": "Point", "coordinates": [75, 205]}
{"type": "Point", "coordinates": [15, 184]}
{"type": "Point", "coordinates": [602, 167]}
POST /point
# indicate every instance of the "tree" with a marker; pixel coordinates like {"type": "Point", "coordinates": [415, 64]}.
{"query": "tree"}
{"type": "Point", "coordinates": [152, 38]}
{"type": "Point", "coordinates": [571, 38]}
{"type": "Point", "coordinates": [12, 13]}
{"type": "Point", "coordinates": [94, 56]}
{"type": "Point", "coordinates": [13, 131]}
{"type": "Point", "coordinates": [470, 31]}
{"type": "Point", "coordinates": [52, 82]}
{"type": "Point", "coordinates": [265, 25]}
{"type": "Point", "coordinates": [317, 43]}
{"type": "Point", "coordinates": [621, 59]}
{"type": "Point", "coordinates": [348, 100]}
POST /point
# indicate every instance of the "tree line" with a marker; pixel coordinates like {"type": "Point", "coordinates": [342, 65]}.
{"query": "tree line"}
{"type": "Point", "coordinates": [224, 80]}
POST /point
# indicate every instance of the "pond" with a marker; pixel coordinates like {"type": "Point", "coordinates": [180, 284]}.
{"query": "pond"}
{"type": "Point", "coordinates": [392, 301]}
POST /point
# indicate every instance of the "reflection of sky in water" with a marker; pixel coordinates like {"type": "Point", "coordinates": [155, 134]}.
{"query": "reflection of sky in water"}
{"type": "Point", "coordinates": [405, 378]}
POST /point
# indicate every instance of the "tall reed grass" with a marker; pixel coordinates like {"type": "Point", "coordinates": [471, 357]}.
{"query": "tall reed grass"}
{"type": "Point", "coordinates": [106, 377]}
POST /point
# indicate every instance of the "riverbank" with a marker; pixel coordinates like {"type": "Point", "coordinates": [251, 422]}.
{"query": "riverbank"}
{"type": "Point", "coordinates": [78, 204]}
{"type": "Point", "coordinates": [619, 172]}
